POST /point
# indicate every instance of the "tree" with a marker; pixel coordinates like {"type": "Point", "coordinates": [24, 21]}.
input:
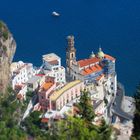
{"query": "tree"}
{"type": "Point", "coordinates": [32, 124]}
{"type": "Point", "coordinates": [85, 106]}
{"type": "Point", "coordinates": [73, 129]}
{"type": "Point", "coordinates": [10, 115]}
{"type": "Point", "coordinates": [136, 120]}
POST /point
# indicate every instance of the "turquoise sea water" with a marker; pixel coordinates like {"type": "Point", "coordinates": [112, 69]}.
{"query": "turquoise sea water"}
{"type": "Point", "coordinates": [113, 24]}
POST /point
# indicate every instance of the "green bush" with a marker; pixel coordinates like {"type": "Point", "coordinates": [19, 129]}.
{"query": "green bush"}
{"type": "Point", "coordinates": [5, 35]}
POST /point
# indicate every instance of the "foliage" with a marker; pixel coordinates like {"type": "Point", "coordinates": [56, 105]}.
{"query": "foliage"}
{"type": "Point", "coordinates": [1, 24]}
{"type": "Point", "coordinates": [136, 121]}
{"type": "Point", "coordinates": [76, 128]}
{"type": "Point", "coordinates": [3, 30]}
{"type": "Point", "coordinates": [10, 116]}
{"type": "Point", "coordinates": [5, 35]}
{"type": "Point", "coordinates": [68, 129]}
{"type": "Point", "coordinates": [85, 107]}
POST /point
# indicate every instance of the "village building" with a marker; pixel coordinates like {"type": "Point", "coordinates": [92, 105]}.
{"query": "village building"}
{"type": "Point", "coordinates": [59, 98]}
{"type": "Point", "coordinates": [45, 91]}
{"type": "Point", "coordinates": [20, 73]}
{"type": "Point", "coordinates": [34, 82]}
{"type": "Point", "coordinates": [97, 72]}
{"type": "Point", "coordinates": [52, 67]}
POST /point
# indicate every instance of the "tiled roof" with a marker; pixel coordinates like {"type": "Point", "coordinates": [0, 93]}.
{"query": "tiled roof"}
{"type": "Point", "coordinates": [40, 75]}
{"type": "Point", "coordinates": [89, 61]}
{"type": "Point", "coordinates": [101, 76]}
{"type": "Point", "coordinates": [109, 57]}
{"type": "Point", "coordinates": [92, 69]}
{"type": "Point", "coordinates": [86, 62]}
{"type": "Point", "coordinates": [44, 120]}
{"type": "Point", "coordinates": [46, 85]}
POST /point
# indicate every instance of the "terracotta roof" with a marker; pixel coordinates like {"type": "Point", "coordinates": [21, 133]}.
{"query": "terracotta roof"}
{"type": "Point", "coordinates": [89, 61]}
{"type": "Point", "coordinates": [109, 57]}
{"type": "Point", "coordinates": [44, 120]}
{"type": "Point", "coordinates": [92, 69]}
{"type": "Point", "coordinates": [101, 76]}
{"type": "Point", "coordinates": [46, 85]}
{"type": "Point", "coordinates": [86, 62]}
{"type": "Point", "coordinates": [40, 75]}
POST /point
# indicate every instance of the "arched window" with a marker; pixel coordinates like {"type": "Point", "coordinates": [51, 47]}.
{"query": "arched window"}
{"type": "Point", "coordinates": [72, 55]}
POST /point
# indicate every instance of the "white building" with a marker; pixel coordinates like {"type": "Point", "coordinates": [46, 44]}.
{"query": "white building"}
{"type": "Point", "coordinates": [21, 72]}
{"type": "Point", "coordinates": [97, 72]}
{"type": "Point", "coordinates": [52, 67]}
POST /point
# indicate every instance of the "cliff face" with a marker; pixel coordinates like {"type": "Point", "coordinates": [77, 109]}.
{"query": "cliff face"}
{"type": "Point", "coordinates": [7, 51]}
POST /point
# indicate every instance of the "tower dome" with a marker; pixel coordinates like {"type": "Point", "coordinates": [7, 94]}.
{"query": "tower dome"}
{"type": "Point", "coordinates": [92, 55]}
{"type": "Point", "coordinates": [101, 53]}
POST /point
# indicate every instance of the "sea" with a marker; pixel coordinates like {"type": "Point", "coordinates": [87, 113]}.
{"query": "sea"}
{"type": "Point", "coordinates": [112, 24]}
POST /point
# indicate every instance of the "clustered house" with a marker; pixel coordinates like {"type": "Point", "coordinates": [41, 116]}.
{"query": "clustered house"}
{"type": "Point", "coordinates": [20, 73]}
{"type": "Point", "coordinates": [56, 87]}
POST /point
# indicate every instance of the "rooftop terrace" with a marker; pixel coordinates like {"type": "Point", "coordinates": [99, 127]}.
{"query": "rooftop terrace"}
{"type": "Point", "coordinates": [58, 93]}
{"type": "Point", "coordinates": [51, 57]}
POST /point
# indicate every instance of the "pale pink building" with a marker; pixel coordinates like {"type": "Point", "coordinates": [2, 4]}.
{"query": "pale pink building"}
{"type": "Point", "coordinates": [44, 92]}
{"type": "Point", "coordinates": [66, 94]}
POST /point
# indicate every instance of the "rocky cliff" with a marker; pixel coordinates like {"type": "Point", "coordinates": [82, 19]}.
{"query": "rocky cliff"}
{"type": "Point", "coordinates": [7, 51]}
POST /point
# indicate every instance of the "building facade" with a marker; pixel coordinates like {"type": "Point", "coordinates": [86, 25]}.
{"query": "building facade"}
{"type": "Point", "coordinates": [97, 72]}
{"type": "Point", "coordinates": [66, 94]}
{"type": "Point", "coordinates": [45, 91]}
{"type": "Point", "coordinates": [52, 67]}
{"type": "Point", "coordinates": [21, 72]}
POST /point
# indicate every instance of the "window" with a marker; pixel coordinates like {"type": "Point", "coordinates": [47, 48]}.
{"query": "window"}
{"type": "Point", "coordinates": [67, 100]}
{"type": "Point", "coordinates": [72, 55]}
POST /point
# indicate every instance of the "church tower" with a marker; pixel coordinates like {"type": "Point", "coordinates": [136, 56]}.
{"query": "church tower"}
{"type": "Point", "coordinates": [70, 55]}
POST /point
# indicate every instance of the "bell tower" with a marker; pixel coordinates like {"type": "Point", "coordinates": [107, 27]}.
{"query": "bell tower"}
{"type": "Point", "coordinates": [70, 55]}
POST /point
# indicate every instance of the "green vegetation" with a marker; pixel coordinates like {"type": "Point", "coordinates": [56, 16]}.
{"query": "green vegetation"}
{"type": "Point", "coordinates": [136, 121]}
{"type": "Point", "coordinates": [81, 126]}
{"type": "Point", "coordinates": [5, 35]}
{"type": "Point", "coordinates": [85, 107]}
{"type": "Point", "coordinates": [70, 128]}
{"type": "Point", "coordinates": [10, 116]}
{"type": "Point", "coordinates": [3, 30]}
{"type": "Point", "coordinates": [1, 24]}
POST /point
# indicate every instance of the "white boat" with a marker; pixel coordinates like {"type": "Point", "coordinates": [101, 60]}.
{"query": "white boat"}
{"type": "Point", "coordinates": [55, 14]}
